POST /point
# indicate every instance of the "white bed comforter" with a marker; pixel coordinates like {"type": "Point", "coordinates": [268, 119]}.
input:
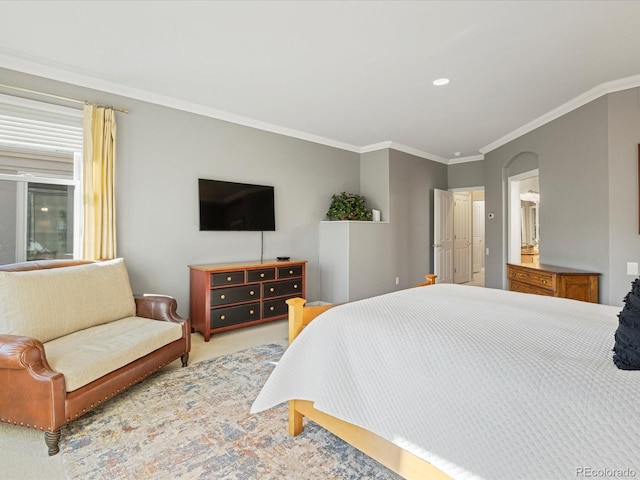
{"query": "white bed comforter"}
{"type": "Point", "coordinates": [482, 383]}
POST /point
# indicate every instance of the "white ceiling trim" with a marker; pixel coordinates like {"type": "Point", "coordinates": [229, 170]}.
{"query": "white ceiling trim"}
{"type": "Point", "coordinates": [577, 102]}
{"type": "Point", "coordinates": [375, 147]}
{"type": "Point", "coordinates": [163, 100]}
{"type": "Point", "coordinates": [418, 153]}
{"type": "Point", "coordinates": [403, 148]}
{"type": "Point", "coordinates": [107, 86]}
{"type": "Point", "coordinates": [471, 158]}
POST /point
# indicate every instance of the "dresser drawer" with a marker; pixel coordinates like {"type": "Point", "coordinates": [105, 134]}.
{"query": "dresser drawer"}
{"type": "Point", "coordinates": [221, 317]}
{"type": "Point", "coordinates": [533, 277]}
{"type": "Point", "coordinates": [261, 275]}
{"type": "Point", "coordinates": [274, 308]}
{"type": "Point", "coordinates": [286, 287]}
{"type": "Point", "coordinates": [516, 286]}
{"type": "Point", "coordinates": [226, 296]}
{"type": "Point", "coordinates": [287, 272]}
{"type": "Point", "coordinates": [227, 278]}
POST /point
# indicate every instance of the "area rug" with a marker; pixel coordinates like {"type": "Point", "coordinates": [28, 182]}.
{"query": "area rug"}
{"type": "Point", "coordinates": [194, 422]}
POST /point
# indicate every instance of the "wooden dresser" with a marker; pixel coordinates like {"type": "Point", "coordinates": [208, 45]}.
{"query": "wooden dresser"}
{"type": "Point", "coordinates": [225, 296]}
{"type": "Point", "coordinates": [554, 281]}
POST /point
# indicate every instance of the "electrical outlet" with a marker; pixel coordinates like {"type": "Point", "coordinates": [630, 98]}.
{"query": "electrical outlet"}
{"type": "Point", "coordinates": [632, 268]}
{"type": "Point", "coordinates": [397, 280]}
{"type": "Point", "coordinates": [487, 251]}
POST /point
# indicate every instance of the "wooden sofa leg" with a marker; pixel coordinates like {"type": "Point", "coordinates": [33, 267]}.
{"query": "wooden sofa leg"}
{"type": "Point", "coordinates": [52, 439]}
{"type": "Point", "coordinates": [185, 359]}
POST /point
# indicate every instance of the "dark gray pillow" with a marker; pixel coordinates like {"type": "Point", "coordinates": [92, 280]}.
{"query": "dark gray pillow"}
{"type": "Point", "coordinates": [626, 351]}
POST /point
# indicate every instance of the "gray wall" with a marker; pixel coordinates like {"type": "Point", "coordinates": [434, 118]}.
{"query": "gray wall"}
{"type": "Point", "coordinates": [161, 153]}
{"type": "Point", "coordinates": [624, 240]}
{"type": "Point", "coordinates": [411, 183]}
{"type": "Point", "coordinates": [572, 159]}
{"type": "Point", "coordinates": [466, 175]}
{"type": "Point", "coordinates": [588, 190]}
{"type": "Point", "coordinates": [160, 235]}
{"type": "Point", "coordinates": [588, 182]}
{"type": "Point", "coordinates": [374, 181]}
{"type": "Point", "coordinates": [401, 185]}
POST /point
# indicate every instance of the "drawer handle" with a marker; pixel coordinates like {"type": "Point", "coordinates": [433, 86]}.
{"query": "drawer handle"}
{"type": "Point", "coordinates": [295, 286]}
{"type": "Point", "coordinates": [262, 275]}
{"type": "Point", "coordinates": [222, 297]}
{"type": "Point", "coordinates": [228, 279]}
{"type": "Point", "coordinates": [290, 272]}
{"type": "Point", "coordinates": [272, 308]}
{"type": "Point", "coordinates": [544, 282]}
{"type": "Point", "coordinates": [251, 292]}
{"type": "Point", "coordinates": [222, 317]}
{"type": "Point", "coordinates": [272, 289]}
{"type": "Point", "coordinates": [251, 312]}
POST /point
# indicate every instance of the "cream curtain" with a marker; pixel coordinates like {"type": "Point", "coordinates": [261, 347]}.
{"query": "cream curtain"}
{"type": "Point", "coordinates": [99, 236]}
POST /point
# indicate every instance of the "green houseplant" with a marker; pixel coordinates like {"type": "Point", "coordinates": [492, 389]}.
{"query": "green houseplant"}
{"type": "Point", "coordinates": [348, 206]}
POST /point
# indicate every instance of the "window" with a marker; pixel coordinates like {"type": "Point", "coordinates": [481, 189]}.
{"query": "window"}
{"type": "Point", "coordinates": [40, 180]}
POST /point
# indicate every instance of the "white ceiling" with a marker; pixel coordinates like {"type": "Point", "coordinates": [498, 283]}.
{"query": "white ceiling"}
{"type": "Point", "coordinates": [350, 74]}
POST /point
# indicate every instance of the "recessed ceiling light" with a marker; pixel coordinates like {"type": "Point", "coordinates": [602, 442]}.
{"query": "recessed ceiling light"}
{"type": "Point", "coordinates": [440, 82]}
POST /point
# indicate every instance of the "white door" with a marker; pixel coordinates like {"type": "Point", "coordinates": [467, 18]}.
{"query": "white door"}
{"type": "Point", "coordinates": [443, 236]}
{"type": "Point", "coordinates": [462, 237]}
{"type": "Point", "coordinates": [478, 235]}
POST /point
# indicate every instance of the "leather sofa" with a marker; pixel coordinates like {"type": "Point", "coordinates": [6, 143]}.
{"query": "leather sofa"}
{"type": "Point", "coordinates": [73, 335]}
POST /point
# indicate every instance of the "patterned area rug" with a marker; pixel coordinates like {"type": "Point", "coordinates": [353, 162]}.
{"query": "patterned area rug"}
{"type": "Point", "coordinates": [194, 422]}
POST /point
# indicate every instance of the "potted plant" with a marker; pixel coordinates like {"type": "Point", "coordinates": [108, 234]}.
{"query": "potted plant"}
{"type": "Point", "coordinates": [348, 206]}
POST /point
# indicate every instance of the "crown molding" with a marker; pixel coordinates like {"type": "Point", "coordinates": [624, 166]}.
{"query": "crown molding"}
{"type": "Point", "coordinates": [418, 153]}
{"type": "Point", "coordinates": [471, 158]}
{"type": "Point", "coordinates": [374, 147]}
{"type": "Point", "coordinates": [86, 81]}
{"type": "Point", "coordinates": [403, 148]}
{"type": "Point", "coordinates": [577, 102]}
{"type": "Point", "coordinates": [107, 86]}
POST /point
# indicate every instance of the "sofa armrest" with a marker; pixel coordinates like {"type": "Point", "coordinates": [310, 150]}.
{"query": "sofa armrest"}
{"type": "Point", "coordinates": [158, 307]}
{"type": "Point", "coordinates": [163, 307]}
{"type": "Point", "coordinates": [24, 353]}
{"type": "Point", "coordinates": [34, 394]}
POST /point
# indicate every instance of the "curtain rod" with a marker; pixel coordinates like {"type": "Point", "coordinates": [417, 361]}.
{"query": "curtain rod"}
{"type": "Point", "coordinates": [60, 97]}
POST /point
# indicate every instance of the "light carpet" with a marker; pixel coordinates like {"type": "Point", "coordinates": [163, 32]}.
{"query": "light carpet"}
{"type": "Point", "coordinates": [194, 422]}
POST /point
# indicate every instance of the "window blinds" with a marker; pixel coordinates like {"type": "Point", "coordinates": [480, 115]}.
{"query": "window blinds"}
{"type": "Point", "coordinates": [27, 125]}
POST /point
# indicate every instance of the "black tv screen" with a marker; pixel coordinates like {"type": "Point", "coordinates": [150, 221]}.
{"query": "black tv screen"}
{"type": "Point", "coordinates": [235, 206]}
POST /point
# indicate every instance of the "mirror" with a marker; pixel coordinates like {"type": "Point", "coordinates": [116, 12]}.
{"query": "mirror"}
{"type": "Point", "coordinates": [530, 221]}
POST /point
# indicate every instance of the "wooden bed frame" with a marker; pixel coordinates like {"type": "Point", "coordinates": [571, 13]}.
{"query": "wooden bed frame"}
{"type": "Point", "coordinates": [390, 455]}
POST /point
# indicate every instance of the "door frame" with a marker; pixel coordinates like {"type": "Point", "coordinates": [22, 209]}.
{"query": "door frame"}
{"type": "Point", "coordinates": [478, 222]}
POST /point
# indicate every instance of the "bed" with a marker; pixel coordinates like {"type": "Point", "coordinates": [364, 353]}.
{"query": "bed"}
{"type": "Point", "coordinates": [452, 381]}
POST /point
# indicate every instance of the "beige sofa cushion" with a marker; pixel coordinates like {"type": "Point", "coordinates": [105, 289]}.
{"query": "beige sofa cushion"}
{"type": "Point", "coordinates": [48, 304]}
{"type": "Point", "coordinates": [87, 355]}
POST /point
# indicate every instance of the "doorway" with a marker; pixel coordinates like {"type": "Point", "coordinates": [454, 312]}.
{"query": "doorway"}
{"type": "Point", "coordinates": [458, 247]}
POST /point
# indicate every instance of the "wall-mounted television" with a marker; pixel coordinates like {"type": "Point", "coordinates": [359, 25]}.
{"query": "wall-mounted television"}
{"type": "Point", "coordinates": [235, 206]}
